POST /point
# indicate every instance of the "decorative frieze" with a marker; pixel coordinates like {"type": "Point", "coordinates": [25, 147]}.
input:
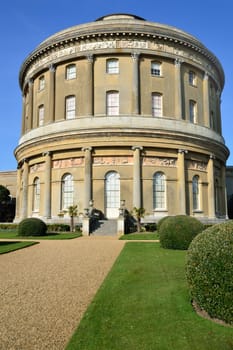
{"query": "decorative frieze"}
{"type": "Point", "coordinates": [68, 163]}
{"type": "Point", "coordinates": [159, 161]}
{"type": "Point", "coordinates": [196, 165]}
{"type": "Point", "coordinates": [35, 168]}
{"type": "Point", "coordinates": [110, 160]}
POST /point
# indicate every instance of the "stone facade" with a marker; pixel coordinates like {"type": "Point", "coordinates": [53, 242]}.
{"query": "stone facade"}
{"type": "Point", "coordinates": [121, 109]}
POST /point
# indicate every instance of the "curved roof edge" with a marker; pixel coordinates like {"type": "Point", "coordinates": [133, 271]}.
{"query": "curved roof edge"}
{"type": "Point", "coordinates": [118, 15]}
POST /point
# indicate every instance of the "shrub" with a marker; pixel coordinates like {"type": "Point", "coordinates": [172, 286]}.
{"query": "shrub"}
{"type": "Point", "coordinates": [32, 227]}
{"type": "Point", "coordinates": [209, 271]}
{"type": "Point", "coordinates": [58, 227]}
{"type": "Point", "coordinates": [177, 232]}
{"type": "Point", "coordinates": [151, 227]}
{"type": "Point", "coordinates": [161, 221]}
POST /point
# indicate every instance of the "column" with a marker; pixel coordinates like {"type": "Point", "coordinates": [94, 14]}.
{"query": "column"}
{"type": "Point", "coordinates": [52, 71]}
{"type": "Point", "coordinates": [178, 90]}
{"type": "Point", "coordinates": [218, 110]}
{"type": "Point", "coordinates": [211, 192]}
{"type": "Point", "coordinates": [224, 191]}
{"type": "Point", "coordinates": [30, 105]}
{"type": "Point", "coordinates": [87, 176]}
{"type": "Point", "coordinates": [18, 202]}
{"type": "Point", "coordinates": [24, 207]}
{"type": "Point", "coordinates": [137, 196]}
{"type": "Point", "coordinates": [206, 102]}
{"type": "Point", "coordinates": [181, 180]}
{"type": "Point", "coordinates": [47, 185]}
{"type": "Point", "coordinates": [23, 115]}
{"type": "Point", "coordinates": [90, 103]}
{"type": "Point", "coordinates": [135, 84]}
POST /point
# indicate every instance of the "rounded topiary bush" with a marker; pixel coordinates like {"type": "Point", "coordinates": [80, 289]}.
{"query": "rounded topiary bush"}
{"type": "Point", "coordinates": [32, 227]}
{"type": "Point", "coordinates": [177, 232]}
{"type": "Point", "coordinates": [161, 221]}
{"type": "Point", "coordinates": [209, 271]}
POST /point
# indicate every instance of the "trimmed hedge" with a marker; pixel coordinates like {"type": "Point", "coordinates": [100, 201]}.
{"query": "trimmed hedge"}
{"type": "Point", "coordinates": [209, 271]}
{"type": "Point", "coordinates": [32, 227]}
{"type": "Point", "coordinates": [58, 227]}
{"type": "Point", "coordinates": [177, 232]}
{"type": "Point", "coordinates": [161, 221]}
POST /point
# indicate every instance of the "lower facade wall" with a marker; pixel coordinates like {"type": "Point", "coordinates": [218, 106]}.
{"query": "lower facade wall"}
{"type": "Point", "coordinates": [109, 177]}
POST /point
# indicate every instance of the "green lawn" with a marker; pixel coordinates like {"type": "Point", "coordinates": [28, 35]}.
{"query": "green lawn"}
{"type": "Point", "coordinates": [61, 235]}
{"type": "Point", "coordinates": [140, 236]}
{"type": "Point", "coordinates": [6, 247]}
{"type": "Point", "coordinates": [144, 304]}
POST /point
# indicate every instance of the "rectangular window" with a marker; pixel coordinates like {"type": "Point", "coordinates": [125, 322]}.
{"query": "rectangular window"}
{"type": "Point", "coordinates": [112, 66]}
{"type": "Point", "coordinates": [155, 68]}
{"type": "Point", "coordinates": [192, 111]}
{"type": "Point", "coordinates": [156, 105]}
{"type": "Point", "coordinates": [41, 115]}
{"type": "Point", "coordinates": [192, 78]}
{"type": "Point", "coordinates": [71, 72]}
{"type": "Point", "coordinates": [70, 107]}
{"type": "Point", "coordinates": [41, 83]}
{"type": "Point", "coordinates": [112, 102]}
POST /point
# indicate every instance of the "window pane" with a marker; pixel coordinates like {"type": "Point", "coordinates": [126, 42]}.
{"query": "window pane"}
{"type": "Point", "coordinates": [159, 191]}
{"type": "Point", "coordinates": [192, 111]}
{"type": "Point", "coordinates": [196, 197]}
{"type": "Point", "coordinates": [155, 68]}
{"type": "Point", "coordinates": [112, 103]}
{"type": "Point", "coordinates": [36, 195]}
{"type": "Point", "coordinates": [112, 66]}
{"type": "Point", "coordinates": [156, 105]}
{"type": "Point", "coordinates": [67, 191]}
{"type": "Point", "coordinates": [41, 115]}
{"type": "Point", "coordinates": [41, 83]}
{"type": "Point", "coordinates": [71, 72]}
{"type": "Point", "coordinates": [70, 107]}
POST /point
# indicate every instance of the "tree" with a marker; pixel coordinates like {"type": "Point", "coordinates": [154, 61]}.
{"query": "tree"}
{"type": "Point", "coordinates": [138, 213]}
{"type": "Point", "coordinates": [72, 211]}
{"type": "Point", "coordinates": [4, 194]}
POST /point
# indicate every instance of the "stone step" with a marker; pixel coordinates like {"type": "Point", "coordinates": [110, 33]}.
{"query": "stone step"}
{"type": "Point", "coordinates": [105, 228]}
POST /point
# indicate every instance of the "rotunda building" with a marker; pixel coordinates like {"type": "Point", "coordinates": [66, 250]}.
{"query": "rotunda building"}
{"type": "Point", "coordinates": [121, 110]}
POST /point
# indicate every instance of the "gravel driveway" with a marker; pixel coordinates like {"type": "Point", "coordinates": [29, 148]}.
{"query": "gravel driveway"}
{"type": "Point", "coordinates": [45, 289]}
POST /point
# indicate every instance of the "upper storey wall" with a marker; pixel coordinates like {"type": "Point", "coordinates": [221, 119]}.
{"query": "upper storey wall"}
{"type": "Point", "coordinates": [136, 44]}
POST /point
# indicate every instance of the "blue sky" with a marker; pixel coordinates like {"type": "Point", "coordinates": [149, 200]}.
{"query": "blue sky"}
{"type": "Point", "coordinates": [24, 24]}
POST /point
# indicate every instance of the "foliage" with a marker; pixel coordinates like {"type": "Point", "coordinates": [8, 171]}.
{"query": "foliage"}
{"type": "Point", "coordinates": [138, 213]}
{"type": "Point", "coordinates": [144, 304]}
{"type": "Point", "coordinates": [58, 227]}
{"type": "Point", "coordinates": [161, 221]}
{"type": "Point", "coordinates": [7, 205]}
{"type": "Point", "coordinates": [72, 211]}
{"type": "Point", "coordinates": [8, 226]}
{"type": "Point", "coordinates": [32, 227]}
{"type": "Point", "coordinates": [230, 207]}
{"type": "Point", "coordinates": [151, 227]}
{"type": "Point", "coordinates": [209, 271]}
{"type": "Point", "coordinates": [177, 232]}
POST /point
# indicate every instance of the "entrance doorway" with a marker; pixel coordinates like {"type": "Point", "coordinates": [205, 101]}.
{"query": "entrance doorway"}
{"type": "Point", "coordinates": [112, 194]}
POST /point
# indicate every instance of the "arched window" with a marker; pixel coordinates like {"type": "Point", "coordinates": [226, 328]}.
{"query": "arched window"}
{"type": "Point", "coordinates": [192, 111]}
{"type": "Point", "coordinates": [159, 191]}
{"type": "Point", "coordinates": [155, 68]}
{"type": "Point", "coordinates": [70, 107]}
{"type": "Point", "coordinates": [70, 71]}
{"type": "Point", "coordinates": [67, 191]}
{"type": "Point", "coordinates": [112, 66]}
{"type": "Point", "coordinates": [157, 108]}
{"type": "Point", "coordinates": [112, 103]}
{"type": "Point", "coordinates": [36, 194]}
{"type": "Point", "coordinates": [196, 193]}
{"type": "Point", "coordinates": [41, 115]}
{"type": "Point", "coordinates": [112, 194]}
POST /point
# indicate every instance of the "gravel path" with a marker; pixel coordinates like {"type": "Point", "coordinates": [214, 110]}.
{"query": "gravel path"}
{"type": "Point", "coordinates": [45, 289]}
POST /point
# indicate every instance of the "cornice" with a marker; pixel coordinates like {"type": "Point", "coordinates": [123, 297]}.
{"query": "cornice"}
{"type": "Point", "coordinates": [120, 28]}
